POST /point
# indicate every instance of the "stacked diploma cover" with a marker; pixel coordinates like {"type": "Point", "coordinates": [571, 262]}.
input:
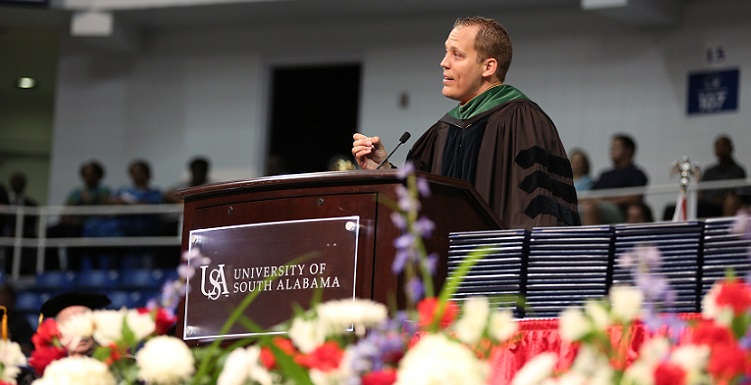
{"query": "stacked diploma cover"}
{"type": "Point", "coordinates": [498, 275]}
{"type": "Point", "coordinates": [723, 250]}
{"type": "Point", "coordinates": [566, 265]}
{"type": "Point", "coordinates": [558, 267]}
{"type": "Point", "coordinates": [679, 244]}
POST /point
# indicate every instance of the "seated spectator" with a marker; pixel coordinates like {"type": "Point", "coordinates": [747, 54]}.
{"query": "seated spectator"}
{"type": "Point", "coordinates": [580, 167]}
{"type": "Point", "coordinates": [17, 197]}
{"type": "Point", "coordinates": [64, 306]}
{"type": "Point", "coordinates": [720, 202]}
{"type": "Point", "coordinates": [639, 212]}
{"type": "Point", "coordinates": [199, 175]}
{"type": "Point", "coordinates": [91, 193]}
{"type": "Point", "coordinates": [623, 174]}
{"type": "Point", "coordinates": [140, 192]}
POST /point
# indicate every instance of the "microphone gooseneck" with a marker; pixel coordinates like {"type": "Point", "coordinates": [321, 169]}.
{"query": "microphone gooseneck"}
{"type": "Point", "coordinates": [405, 137]}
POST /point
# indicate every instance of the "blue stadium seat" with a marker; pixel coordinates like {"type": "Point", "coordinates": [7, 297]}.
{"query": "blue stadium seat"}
{"type": "Point", "coordinates": [54, 281]}
{"type": "Point", "coordinates": [125, 298]}
{"type": "Point", "coordinates": [97, 279]}
{"type": "Point", "coordinates": [142, 279]}
{"type": "Point", "coordinates": [28, 302]}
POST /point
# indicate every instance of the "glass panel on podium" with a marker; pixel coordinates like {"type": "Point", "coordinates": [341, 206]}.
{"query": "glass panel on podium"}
{"type": "Point", "coordinates": [284, 263]}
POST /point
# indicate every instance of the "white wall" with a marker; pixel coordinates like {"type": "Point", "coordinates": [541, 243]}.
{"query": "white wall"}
{"type": "Point", "coordinates": [205, 92]}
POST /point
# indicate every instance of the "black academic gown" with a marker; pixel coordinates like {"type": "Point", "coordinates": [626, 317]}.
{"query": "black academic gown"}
{"type": "Point", "coordinates": [520, 166]}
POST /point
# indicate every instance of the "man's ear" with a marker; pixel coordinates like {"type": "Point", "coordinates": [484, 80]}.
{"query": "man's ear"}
{"type": "Point", "coordinates": [491, 66]}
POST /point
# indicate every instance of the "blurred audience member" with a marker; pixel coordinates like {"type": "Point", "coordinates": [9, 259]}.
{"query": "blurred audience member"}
{"type": "Point", "coordinates": [721, 202]}
{"type": "Point", "coordinates": [91, 193]}
{"type": "Point", "coordinates": [639, 212]}
{"type": "Point", "coordinates": [19, 329]}
{"type": "Point", "coordinates": [140, 192]}
{"type": "Point", "coordinates": [580, 167]}
{"type": "Point", "coordinates": [17, 197]}
{"type": "Point", "coordinates": [199, 175]}
{"type": "Point", "coordinates": [623, 174]}
{"type": "Point", "coordinates": [63, 307]}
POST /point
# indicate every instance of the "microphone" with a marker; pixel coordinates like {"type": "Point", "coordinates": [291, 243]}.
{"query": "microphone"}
{"type": "Point", "coordinates": [405, 137]}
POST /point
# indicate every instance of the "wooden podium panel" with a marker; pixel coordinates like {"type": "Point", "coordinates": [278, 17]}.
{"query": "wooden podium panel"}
{"type": "Point", "coordinates": [262, 206]}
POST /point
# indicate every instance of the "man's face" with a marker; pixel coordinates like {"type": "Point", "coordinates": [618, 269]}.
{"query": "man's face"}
{"type": "Point", "coordinates": [723, 148]}
{"type": "Point", "coordinates": [462, 72]}
{"type": "Point", "coordinates": [618, 151]}
{"type": "Point", "coordinates": [75, 346]}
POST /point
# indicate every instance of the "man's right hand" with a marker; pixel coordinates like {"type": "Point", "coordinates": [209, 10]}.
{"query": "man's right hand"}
{"type": "Point", "coordinates": [368, 152]}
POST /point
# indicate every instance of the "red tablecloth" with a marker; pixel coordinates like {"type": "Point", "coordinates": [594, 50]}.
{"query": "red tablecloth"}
{"type": "Point", "coordinates": [541, 335]}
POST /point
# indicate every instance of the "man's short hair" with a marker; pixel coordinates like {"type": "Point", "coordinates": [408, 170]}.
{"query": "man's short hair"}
{"type": "Point", "coordinates": [627, 141]}
{"type": "Point", "coordinates": [492, 40]}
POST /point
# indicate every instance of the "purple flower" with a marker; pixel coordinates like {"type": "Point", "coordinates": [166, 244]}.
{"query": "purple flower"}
{"type": "Point", "coordinates": [431, 261]}
{"type": "Point", "coordinates": [423, 187]}
{"type": "Point", "coordinates": [424, 227]}
{"type": "Point", "coordinates": [407, 170]}
{"type": "Point", "coordinates": [400, 259]}
{"type": "Point", "coordinates": [399, 221]}
{"type": "Point", "coordinates": [415, 289]}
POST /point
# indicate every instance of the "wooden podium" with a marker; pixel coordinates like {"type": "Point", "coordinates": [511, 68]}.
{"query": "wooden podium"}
{"type": "Point", "coordinates": [338, 222]}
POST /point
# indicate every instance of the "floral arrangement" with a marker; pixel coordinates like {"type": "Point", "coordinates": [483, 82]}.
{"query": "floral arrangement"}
{"type": "Point", "coordinates": [433, 341]}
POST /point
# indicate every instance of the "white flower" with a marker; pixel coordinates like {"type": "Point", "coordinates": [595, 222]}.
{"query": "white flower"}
{"type": "Point", "coordinates": [593, 365]}
{"type": "Point", "coordinates": [654, 350]}
{"type": "Point", "coordinates": [597, 312]}
{"type": "Point", "coordinates": [242, 365]}
{"type": "Point", "coordinates": [11, 357]}
{"type": "Point", "coordinates": [77, 325]}
{"type": "Point", "coordinates": [502, 325]}
{"type": "Point", "coordinates": [436, 360]}
{"type": "Point", "coordinates": [141, 324]}
{"type": "Point", "coordinates": [626, 302]}
{"type": "Point", "coordinates": [536, 370]}
{"type": "Point", "coordinates": [306, 334]}
{"type": "Point", "coordinates": [573, 325]}
{"type": "Point", "coordinates": [471, 325]}
{"type": "Point", "coordinates": [108, 325]}
{"type": "Point", "coordinates": [693, 359]}
{"type": "Point", "coordinates": [723, 315]}
{"type": "Point", "coordinates": [639, 373]}
{"type": "Point", "coordinates": [76, 370]}
{"type": "Point", "coordinates": [339, 315]}
{"type": "Point", "coordinates": [164, 360]}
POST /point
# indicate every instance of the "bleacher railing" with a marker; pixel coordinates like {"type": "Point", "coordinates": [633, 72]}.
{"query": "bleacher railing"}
{"type": "Point", "coordinates": [48, 215]}
{"type": "Point", "coordinates": [658, 195]}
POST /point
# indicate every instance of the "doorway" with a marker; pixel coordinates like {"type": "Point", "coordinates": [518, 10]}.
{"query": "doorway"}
{"type": "Point", "coordinates": [314, 113]}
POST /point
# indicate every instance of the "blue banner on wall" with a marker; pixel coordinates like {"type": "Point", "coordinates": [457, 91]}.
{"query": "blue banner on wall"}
{"type": "Point", "coordinates": [713, 91]}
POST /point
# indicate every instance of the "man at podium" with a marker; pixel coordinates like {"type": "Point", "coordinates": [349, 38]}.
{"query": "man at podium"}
{"type": "Point", "coordinates": [496, 138]}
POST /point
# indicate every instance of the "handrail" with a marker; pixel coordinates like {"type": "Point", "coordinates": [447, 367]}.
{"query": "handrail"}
{"type": "Point", "coordinates": [41, 242]}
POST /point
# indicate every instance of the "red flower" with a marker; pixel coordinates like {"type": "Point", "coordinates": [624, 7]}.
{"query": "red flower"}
{"type": "Point", "coordinates": [668, 373]}
{"type": "Point", "coordinates": [428, 308]}
{"type": "Point", "coordinates": [47, 334]}
{"type": "Point", "coordinates": [115, 354]}
{"type": "Point", "coordinates": [44, 355]}
{"type": "Point", "coordinates": [267, 356]}
{"type": "Point", "coordinates": [735, 294]}
{"type": "Point", "coordinates": [162, 318]}
{"type": "Point", "coordinates": [324, 358]}
{"type": "Point", "coordinates": [727, 361]}
{"type": "Point", "coordinates": [707, 332]}
{"type": "Point", "coordinates": [381, 377]}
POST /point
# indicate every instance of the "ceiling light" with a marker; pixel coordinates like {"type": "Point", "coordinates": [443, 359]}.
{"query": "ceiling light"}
{"type": "Point", "coordinates": [26, 82]}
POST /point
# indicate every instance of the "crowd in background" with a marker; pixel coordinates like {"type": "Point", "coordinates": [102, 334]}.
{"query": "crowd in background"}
{"type": "Point", "coordinates": [626, 173]}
